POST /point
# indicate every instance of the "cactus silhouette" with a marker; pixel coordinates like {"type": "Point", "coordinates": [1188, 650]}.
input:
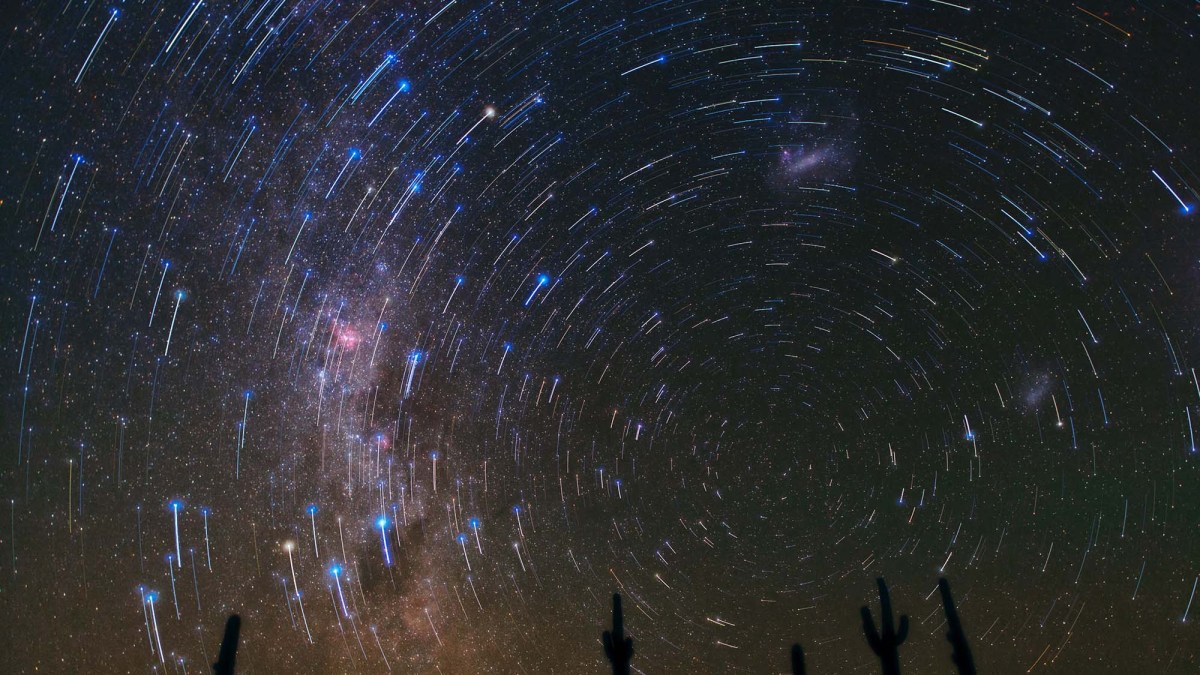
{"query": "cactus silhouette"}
{"type": "Point", "coordinates": [797, 659]}
{"type": "Point", "coordinates": [229, 645]}
{"type": "Point", "coordinates": [617, 647]}
{"type": "Point", "coordinates": [961, 653]}
{"type": "Point", "coordinates": [886, 641]}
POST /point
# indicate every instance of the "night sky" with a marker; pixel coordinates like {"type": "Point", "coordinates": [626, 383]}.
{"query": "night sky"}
{"type": "Point", "coordinates": [413, 331]}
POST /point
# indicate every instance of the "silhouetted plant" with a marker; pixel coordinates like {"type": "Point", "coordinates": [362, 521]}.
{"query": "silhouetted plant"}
{"type": "Point", "coordinates": [885, 642]}
{"type": "Point", "coordinates": [617, 647]}
{"type": "Point", "coordinates": [961, 653]}
{"type": "Point", "coordinates": [229, 644]}
{"type": "Point", "coordinates": [797, 659]}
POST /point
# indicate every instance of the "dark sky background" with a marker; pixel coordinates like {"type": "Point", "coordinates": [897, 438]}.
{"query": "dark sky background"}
{"type": "Point", "coordinates": [412, 331]}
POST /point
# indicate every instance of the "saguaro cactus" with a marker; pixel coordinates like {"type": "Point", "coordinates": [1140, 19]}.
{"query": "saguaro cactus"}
{"type": "Point", "coordinates": [797, 659]}
{"type": "Point", "coordinates": [961, 653]}
{"type": "Point", "coordinates": [229, 645]}
{"type": "Point", "coordinates": [617, 647]}
{"type": "Point", "coordinates": [885, 642]}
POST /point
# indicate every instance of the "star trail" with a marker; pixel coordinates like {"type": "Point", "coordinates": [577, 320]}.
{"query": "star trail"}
{"type": "Point", "coordinates": [410, 332]}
